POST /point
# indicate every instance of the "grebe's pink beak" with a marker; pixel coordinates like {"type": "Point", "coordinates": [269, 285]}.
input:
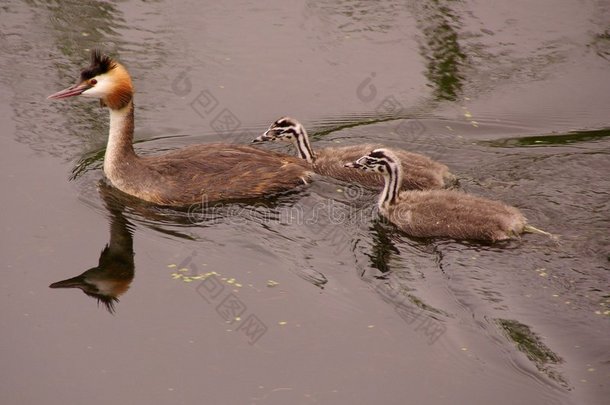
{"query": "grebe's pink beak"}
{"type": "Point", "coordinates": [71, 91]}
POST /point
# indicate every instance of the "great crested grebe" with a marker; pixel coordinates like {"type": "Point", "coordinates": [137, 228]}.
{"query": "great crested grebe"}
{"type": "Point", "coordinates": [440, 213]}
{"type": "Point", "coordinates": [186, 176]}
{"type": "Point", "coordinates": [420, 172]}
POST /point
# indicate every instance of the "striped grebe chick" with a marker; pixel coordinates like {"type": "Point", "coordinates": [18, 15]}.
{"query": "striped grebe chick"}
{"type": "Point", "coordinates": [440, 213]}
{"type": "Point", "coordinates": [191, 175]}
{"type": "Point", "coordinates": [420, 172]}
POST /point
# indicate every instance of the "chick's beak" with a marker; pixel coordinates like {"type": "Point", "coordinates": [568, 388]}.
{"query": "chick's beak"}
{"type": "Point", "coordinates": [71, 91]}
{"type": "Point", "coordinates": [358, 164]}
{"type": "Point", "coordinates": [264, 137]}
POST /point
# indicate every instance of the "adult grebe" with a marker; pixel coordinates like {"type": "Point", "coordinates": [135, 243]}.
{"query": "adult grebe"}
{"type": "Point", "coordinates": [440, 213]}
{"type": "Point", "coordinates": [186, 176]}
{"type": "Point", "coordinates": [420, 172]}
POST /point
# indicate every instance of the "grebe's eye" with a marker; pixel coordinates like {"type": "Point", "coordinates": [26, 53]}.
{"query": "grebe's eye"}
{"type": "Point", "coordinates": [93, 82]}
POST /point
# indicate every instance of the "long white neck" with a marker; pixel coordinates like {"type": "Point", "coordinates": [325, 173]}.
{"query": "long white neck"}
{"type": "Point", "coordinates": [392, 186]}
{"type": "Point", "coordinates": [120, 138]}
{"type": "Point", "coordinates": [301, 142]}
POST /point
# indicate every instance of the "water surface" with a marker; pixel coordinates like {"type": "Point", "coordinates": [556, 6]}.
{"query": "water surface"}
{"type": "Point", "coordinates": [334, 306]}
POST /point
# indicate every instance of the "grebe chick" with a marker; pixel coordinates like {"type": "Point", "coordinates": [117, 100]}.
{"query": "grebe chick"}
{"type": "Point", "coordinates": [440, 213]}
{"type": "Point", "coordinates": [420, 172]}
{"type": "Point", "coordinates": [186, 176]}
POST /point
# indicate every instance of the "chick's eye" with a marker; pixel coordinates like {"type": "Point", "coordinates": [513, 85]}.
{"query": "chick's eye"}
{"type": "Point", "coordinates": [93, 82]}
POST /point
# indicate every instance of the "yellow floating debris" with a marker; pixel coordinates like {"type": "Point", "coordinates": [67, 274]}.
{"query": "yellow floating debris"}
{"type": "Point", "coordinates": [171, 266]}
{"type": "Point", "coordinates": [271, 283]}
{"type": "Point", "coordinates": [282, 323]}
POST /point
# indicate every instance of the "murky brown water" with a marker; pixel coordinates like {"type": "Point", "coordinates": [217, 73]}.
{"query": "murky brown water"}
{"type": "Point", "coordinates": [334, 306]}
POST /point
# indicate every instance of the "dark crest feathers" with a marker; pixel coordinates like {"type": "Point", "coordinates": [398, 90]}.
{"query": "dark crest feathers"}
{"type": "Point", "coordinates": [100, 64]}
